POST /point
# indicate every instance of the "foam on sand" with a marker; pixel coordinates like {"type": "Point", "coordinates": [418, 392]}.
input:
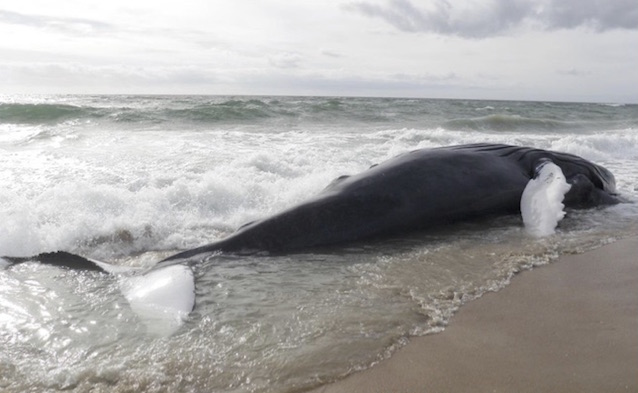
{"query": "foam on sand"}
{"type": "Point", "coordinates": [569, 326]}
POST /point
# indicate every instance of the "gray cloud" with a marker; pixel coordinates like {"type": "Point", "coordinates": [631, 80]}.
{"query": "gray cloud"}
{"type": "Point", "coordinates": [488, 18]}
{"type": "Point", "coordinates": [76, 77]}
{"type": "Point", "coordinates": [601, 15]}
{"type": "Point", "coordinates": [63, 25]}
{"type": "Point", "coordinates": [285, 60]}
{"type": "Point", "coordinates": [574, 72]}
{"type": "Point", "coordinates": [329, 53]}
{"type": "Point", "coordinates": [322, 83]}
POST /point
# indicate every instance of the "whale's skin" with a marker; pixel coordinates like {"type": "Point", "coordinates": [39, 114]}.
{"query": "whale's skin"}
{"type": "Point", "coordinates": [422, 189]}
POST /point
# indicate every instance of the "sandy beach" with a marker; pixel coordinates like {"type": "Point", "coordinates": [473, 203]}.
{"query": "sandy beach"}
{"type": "Point", "coordinates": [571, 326]}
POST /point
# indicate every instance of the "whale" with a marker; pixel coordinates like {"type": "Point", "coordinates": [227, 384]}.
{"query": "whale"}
{"type": "Point", "coordinates": [423, 189]}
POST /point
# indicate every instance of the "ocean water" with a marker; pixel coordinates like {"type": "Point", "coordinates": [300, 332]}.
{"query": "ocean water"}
{"type": "Point", "coordinates": [132, 179]}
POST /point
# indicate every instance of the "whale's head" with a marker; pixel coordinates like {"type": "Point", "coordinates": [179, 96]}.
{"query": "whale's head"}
{"type": "Point", "coordinates": [574, 166]}
{"type": "Point", "coordinates": [591, 184]}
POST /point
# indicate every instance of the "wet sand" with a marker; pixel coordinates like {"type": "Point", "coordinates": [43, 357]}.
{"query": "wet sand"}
{"type": "Point", "coordinates": [571, 326]}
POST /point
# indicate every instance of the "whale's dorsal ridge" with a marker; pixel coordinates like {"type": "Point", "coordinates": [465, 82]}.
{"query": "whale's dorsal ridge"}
{"type": "Point", "coordinates": [337, 181]}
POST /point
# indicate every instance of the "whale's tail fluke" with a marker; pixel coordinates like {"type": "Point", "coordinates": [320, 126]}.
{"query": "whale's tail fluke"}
{"type": "Point", "coordinates": [61, 259]}
{"type": "Point", "coordinates": [162, 297]}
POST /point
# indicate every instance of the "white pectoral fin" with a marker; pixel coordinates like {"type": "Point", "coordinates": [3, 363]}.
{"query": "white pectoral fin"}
{"type": "Point", "coordinates": [542, 200]}
{"type": "Point", "coordinates": [163, 298]}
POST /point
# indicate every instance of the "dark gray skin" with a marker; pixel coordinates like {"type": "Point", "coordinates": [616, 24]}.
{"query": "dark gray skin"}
{"type": "Point", "coordinates": [422, 189]}
{"type": "Point", "coordinates": [414, 191]}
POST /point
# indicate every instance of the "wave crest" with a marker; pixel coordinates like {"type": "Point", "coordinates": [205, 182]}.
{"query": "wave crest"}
{"type": "Point", "coordinates": [503, 122]}
{"type": "Point", "coordinates": [212, 112]}
{"type": "Point", "coordinates": [43, 113]}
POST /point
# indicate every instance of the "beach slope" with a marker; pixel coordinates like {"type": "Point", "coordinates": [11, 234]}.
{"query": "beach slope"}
{"type": "Point", "coordinates": [571, 326]}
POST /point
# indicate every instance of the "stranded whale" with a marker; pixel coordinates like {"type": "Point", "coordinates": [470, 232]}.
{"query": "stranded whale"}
{"type": "Point", "coordinates": [422, 189]}
{"type": "Point", "coordinates": [419, 190]}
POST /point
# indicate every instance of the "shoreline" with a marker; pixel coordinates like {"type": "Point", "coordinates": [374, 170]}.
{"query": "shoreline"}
{"type": "Point", "coordinates": [570, 326]}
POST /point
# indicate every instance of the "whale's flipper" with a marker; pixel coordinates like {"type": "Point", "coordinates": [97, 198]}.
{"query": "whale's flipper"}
{"type": "Point", "coordinates": [162, 297]}
{"type": "Point", "coordinates": [542, 200]}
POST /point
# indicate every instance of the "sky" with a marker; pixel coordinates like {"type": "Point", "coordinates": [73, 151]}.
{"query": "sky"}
{"type": "Point", "coordinates": [549, 50]}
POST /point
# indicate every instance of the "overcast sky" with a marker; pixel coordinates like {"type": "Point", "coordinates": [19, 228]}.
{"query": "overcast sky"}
{"type": "Point", "coordinates": [566, 50]}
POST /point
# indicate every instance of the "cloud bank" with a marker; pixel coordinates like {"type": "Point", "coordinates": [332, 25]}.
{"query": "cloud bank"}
{"type": "Point", "coordinates": [485, 19]}
{"type": "Point", "coordinates": [67, 25]}
{"type": "Point", "coordinates": [491, 49]}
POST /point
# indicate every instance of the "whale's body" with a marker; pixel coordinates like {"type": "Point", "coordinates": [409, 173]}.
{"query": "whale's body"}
{"type": "Point", "coordinates": [423, 189]}
{"type": "Point", "coordinates": [418, 190]}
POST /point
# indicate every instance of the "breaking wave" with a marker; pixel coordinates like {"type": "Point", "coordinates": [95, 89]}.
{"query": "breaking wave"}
{"type": "Point", "coordinates": [516, 123]}
{"type": "Point", "coordinates": [452, 115]}
{"type": "Point", "coordinates": [226, 111]}
{"type": "Point", "coordinates": [44, 113]}
{"type": "Point", "coordinates": [500, 122]}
